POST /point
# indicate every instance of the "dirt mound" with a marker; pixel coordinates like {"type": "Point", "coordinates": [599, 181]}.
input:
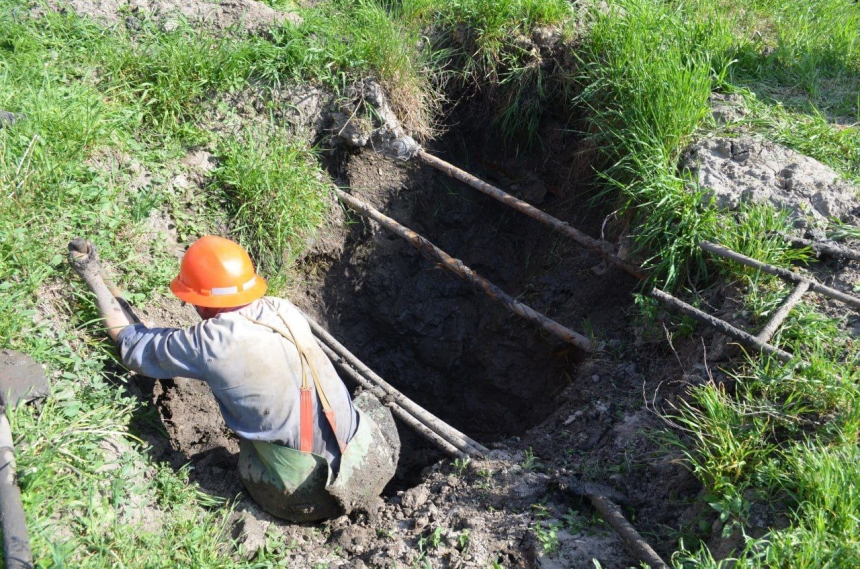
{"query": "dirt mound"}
{"type": "Point", "coordinates": [245, 15]}
{"type": "Point", "coordinates": [749, 169]}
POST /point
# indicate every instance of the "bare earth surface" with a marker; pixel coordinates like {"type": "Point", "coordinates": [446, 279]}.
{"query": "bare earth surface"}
{"type": "Point", "coordinates": [244, 15]}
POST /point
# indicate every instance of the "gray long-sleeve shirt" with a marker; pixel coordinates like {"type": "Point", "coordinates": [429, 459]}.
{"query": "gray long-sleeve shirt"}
{"type": "Point", "coordinates": [253, 371]}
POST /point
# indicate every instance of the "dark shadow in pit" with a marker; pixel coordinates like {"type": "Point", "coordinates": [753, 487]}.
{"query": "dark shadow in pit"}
{"type": "Point", "coordinates": [440, 341]}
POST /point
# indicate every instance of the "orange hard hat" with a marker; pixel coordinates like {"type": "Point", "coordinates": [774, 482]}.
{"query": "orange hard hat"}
{"type": "Point", "coordinates": [217, 273]}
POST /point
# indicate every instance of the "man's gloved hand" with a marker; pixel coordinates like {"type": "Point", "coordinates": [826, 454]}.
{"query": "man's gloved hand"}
{"type": "Point", "coordinates": [83, 259]}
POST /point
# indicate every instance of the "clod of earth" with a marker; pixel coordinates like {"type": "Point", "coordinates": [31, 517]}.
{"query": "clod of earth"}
{"type": "Point", "coordinates": [749, 169]}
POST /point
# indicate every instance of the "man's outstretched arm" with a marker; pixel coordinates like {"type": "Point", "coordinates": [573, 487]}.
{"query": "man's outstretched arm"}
{"type": "Point", "coordinates": [85, 262]}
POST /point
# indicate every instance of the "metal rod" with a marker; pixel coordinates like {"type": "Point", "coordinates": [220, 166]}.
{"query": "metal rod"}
{"type": "Point", "coordinates": [603, 248]}
{"type": "Point", "coordinates": [446, 431]}
{"type": "Point", "coordinates": [785, 274]}
{"type": "Point", "coordinates": [433, 253]}
{"type": "Point", "coordinates": [396, 409]}
{"type": "Point", "coordinates": [832, 249]}
{"type": "Point", "coordinates": [720, 325]}
{"type": "Point", "coordinates": [770, 328]}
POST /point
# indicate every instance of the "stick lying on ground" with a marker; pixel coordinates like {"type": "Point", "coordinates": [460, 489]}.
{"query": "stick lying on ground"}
{"type": "Point", "coordinates": [433, 253]}
{"type": "Point", "coordinates": [429, 434]}
{"type": "Point", "coordinates": [785, 274]}
{"type": "Point", "coordinates": [719, 325]}
{"type": "Point", "coordinates": [832, 249]}
{"type": "Point", "coordinates": [602, 499]}
{"type": "Point", "coordinates": [770, 328]}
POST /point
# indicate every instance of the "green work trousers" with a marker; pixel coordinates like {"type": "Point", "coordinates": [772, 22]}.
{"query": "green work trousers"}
{"type": "Point", "coordinates": [298, 486]}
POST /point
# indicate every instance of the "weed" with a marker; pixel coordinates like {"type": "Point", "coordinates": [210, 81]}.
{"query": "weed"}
{"type": "Point", "coordinates": [530, 462]}
{"type": "Point", "coordinates": [461, 465]}
{"type": "Point", "coordinates": [271, 185]}
{"type": "Point", "coordinates": [547, 535]}
{"type": "Point", "coordinates": [433, 540]}
{"type": "Point", "coordinates": [384, 533]}
{"type": "Point", "coordinates": [426, 543]}
{"type": "Point", "coordinates": [463, 540]}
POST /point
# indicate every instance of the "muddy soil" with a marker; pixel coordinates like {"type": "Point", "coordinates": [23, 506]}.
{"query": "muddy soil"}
{"type": "Point", "coordinates": [550, 414]}
{"type": "Point", "coordinates": [245, 16]}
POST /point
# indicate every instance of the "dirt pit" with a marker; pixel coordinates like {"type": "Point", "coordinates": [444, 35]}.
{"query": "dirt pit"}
{"type": "Point", "coordinates": [549, 413]}
{"type": "Point", "coordinates": [434, 336]}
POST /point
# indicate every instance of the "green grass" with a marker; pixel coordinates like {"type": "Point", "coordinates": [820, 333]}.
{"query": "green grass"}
{"type": "Point", "coordinates": [646, 73]}
{"type": "Point", "coordinates": [273, 190]}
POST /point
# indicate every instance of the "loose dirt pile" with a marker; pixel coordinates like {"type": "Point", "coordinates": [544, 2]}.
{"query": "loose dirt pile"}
{"type": "Point", "coordinates": [243, 15]}
{"type": "Point", "coordinates": [749, 169]}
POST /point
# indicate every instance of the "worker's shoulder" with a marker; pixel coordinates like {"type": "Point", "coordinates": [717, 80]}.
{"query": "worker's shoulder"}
{"type": "Point", "coordinates": [278, 302]}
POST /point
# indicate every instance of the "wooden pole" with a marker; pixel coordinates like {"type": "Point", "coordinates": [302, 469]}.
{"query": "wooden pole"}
{"type": "Point", "coordinates": [785, 274]}
{"type": "Point", "coordinates": [433, 253]}
{"type": "Point", "coordinates": [832, 249]}
{"type": "Point", "coordinates": [770, 328]}
{"type": "Point", "coordinates": [443, 429]}
{"type": "Point", "coordinates": [602, 248]}
{"type": "Point", "coordinates": [398, 411]}
{"type": "Point", "coordinates": [720, 325]}
{"type": "Point", "coordinates": [631, 538]}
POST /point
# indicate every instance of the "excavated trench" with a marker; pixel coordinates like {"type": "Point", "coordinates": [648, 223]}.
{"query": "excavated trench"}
{"type": "Point", "coordinates": [458, 353]}
{"type": "Point", "coordinates": [433, 336]}
{"type": "Point", "coordinates": [438, 339]}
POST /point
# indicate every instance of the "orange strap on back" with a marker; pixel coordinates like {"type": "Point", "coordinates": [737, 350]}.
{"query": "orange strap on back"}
{"type": "Point", "coordinates": [306, 418]}
{"type": "Point", "coordinates": [306, 410]}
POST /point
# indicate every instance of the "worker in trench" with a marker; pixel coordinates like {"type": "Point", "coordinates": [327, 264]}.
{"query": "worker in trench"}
{"type": "Point", "coordinates": [307, 451]}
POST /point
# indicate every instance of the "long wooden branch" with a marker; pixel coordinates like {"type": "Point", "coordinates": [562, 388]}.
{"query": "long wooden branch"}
{"type": "Point", "coordinates": [398, 411]}
{"type": "Point", "coordinates": [602, 248]}
{"type": "Point", "coordinates": [631, 538]}
{"type": "Point", "coordinates": [720, 325]}
{"type": "Point", "coordinates": [433, 253]}
{"type": "Point", "coordinates": [785, 274]}
{"type": "Point", "coordinates": [832, 249]}
{"type": "Point", "coordinates": [770, 328]}
{"type": "Point", "coordinates": [457, 439]}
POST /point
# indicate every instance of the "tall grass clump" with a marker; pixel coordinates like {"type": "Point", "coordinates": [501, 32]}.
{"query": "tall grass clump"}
{"type": "Point", "coordinates": [824, 487]}
{"type": "Point", "coordinates": [342, 41]}
{"type": "Point", "coordinates": [804, 54]}
{"type": "Point", "coordinates": [483, 47]}
{"type": "Point", "coordinates": [165, 75]}
{"type": "Point", "coordinates": [648, 68]}
{"type": "Point", "coordinates": [272, 187]}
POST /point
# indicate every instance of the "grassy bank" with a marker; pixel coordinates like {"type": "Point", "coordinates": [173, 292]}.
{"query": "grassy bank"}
{"type": "Point", "coordinates": [784, 438]}
{"type": "Point", "coordinates": [107, 107]}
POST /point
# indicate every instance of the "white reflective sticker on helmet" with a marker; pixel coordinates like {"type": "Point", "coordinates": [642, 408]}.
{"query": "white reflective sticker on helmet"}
{"type": "Point", "coordinates": [224, 290]}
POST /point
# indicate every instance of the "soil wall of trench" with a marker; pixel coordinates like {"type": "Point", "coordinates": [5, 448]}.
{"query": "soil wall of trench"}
{"type": "Point", "coordinates": [433, 335]}
{"type": "Point", "coordinates": [470, 361]}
